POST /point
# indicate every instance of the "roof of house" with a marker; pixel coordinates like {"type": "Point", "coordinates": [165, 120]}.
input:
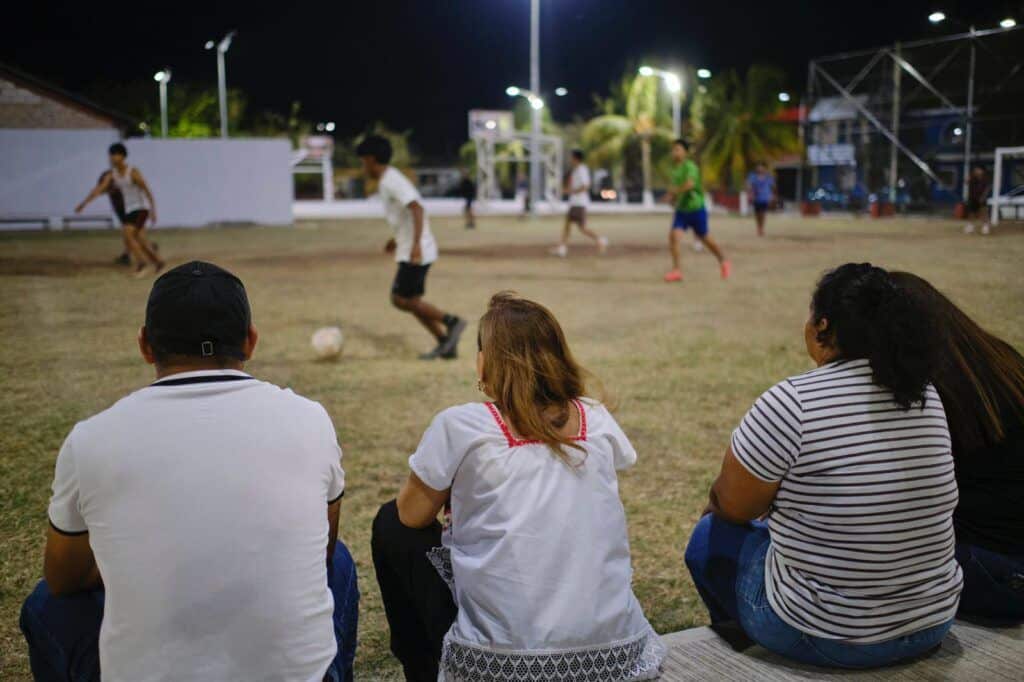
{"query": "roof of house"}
{"type": "Point", "coordinates": [117, 119]}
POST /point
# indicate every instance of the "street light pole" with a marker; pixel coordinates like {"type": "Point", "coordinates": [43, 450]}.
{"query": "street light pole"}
{"type": "Point", "coordinates": [968, 128]}
{"type": "Point", "coordinates": [535, 85]}
{"type": "Point", "coordinates": [222, 80]}
{"type": "Point", "coordinates": [163, 78]}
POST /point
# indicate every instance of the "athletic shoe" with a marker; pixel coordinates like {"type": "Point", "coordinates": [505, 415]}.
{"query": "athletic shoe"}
{"type": "Point", "coordinates": [435, 353]}
{"type": "Point", "coordinates": [985, 229]}
{"type": "Point", "coordinates": [561, 251]}
{"type": "Point", "coordinates": [602, 244]}
{"type": "Point", "coordinates": [673, 276]}
{"type": "Point", "coordinates": [698, 246]}
{"type": "Point", "coordinates": [726, 269]}
{"type": "Point", "coordinates": [123, 259]}
{"type": "Point", "coordinates": [140, 271]}
{"type": "Point", "coordinates": [449, 347]}
{"type": "Point", "coordinates": [968, 229]}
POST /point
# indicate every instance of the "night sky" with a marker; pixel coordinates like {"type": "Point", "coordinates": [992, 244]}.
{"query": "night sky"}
{"type": "Point", "coordinates": [420, 64]}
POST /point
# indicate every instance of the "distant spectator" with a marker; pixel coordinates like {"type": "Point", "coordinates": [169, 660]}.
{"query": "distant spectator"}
{"type": "Point", "coordinates": [193, 524]}
{"type": "Point", "coordinates": [978, 190]}
{"type": "Point", "coordinates": [761, 190]}
{"type": "Point", "coordinates": [467, 190]}
{"type": "Point", "coordinates": [981, 382]}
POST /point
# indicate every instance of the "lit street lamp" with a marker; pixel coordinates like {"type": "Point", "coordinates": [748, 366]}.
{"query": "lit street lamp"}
{"type": "Point", "coordinates": [784, 97]}
{"type": "Point", "coordinates": [703, 74]}
{"type": "Point", "coordinates": [222, 86]}
{"type": "Point", "coordinates": [675, 87]}
{"type": "Point", "coordinates": [937, 17]}
{"type": "Point", "coordinates": [1008, 22]}
{"type": "Point", "coordinates": [163, 77]}
{"type": "Point", "coordinates": [535, 100]}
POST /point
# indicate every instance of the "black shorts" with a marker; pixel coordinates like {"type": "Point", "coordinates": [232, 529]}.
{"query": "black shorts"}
{"type": "Point", "coordinates": [137, 218]}
{"type": "Point", "coordinates": [578, 214]}
{"type": "Point", "coordinates": [973, 205]}
{"type": "Point", "coordinates": [410, 280]}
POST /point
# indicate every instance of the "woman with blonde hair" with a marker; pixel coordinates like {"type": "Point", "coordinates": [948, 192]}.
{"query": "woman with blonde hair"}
{"type": "Point", "coordinates": [535, 548]}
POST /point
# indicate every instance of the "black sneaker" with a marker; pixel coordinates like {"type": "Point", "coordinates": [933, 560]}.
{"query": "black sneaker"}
{"type": "Point", "coordinates": [449, 347]}
{"type": "Point", "coordinates": [435, 353]}
{"type": "Point", "coordinates": [123, 259]}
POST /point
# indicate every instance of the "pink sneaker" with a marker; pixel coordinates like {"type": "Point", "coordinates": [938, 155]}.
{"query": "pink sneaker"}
{"type": "Point", "coordinates": [726, 268]}
{"type": "Point", "coordinates": [673, 276]}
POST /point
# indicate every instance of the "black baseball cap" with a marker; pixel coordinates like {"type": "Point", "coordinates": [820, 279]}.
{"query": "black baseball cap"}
{"type": "Point", "coordinates": [198, 309]}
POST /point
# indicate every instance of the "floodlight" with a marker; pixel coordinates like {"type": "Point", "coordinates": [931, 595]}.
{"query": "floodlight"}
{"type": "Point", "coordinates": [536, 102]}
{"type": "Point", "coordinates": [703, 73]}
{"type": "Point", "coordinates": [783, 96]}
{"type": "Point", "coordinates": [209, 44]}
{"type": "Point", "coordinates": [1008, 22]}
{"type": "Point", "coordinates": [329, 127]}
{"type": "Point", "coordinates": [958, 132]}
{"type": "Point", "coordinates": [491, 124]}
{"type": "Point", "coordinates": [561, 92]}
{"type": "Point", "coordinates": [936, 17]}
{"type": "Point", "coordinates": [162, 76]}
{"type": "Point", "coordinates": [646, 71]}
{"type": "Point", "coordinates": [672, 82]}
{"type": "Point", "coordinates": [512, 91]}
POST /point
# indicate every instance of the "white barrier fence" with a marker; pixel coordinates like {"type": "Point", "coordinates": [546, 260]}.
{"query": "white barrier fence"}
{"type": "Point", "coordinates": [45, 173]}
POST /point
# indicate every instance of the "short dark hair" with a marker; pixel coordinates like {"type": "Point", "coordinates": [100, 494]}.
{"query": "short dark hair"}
{"type": "Point", "coordinates": [577, 154]}
{"type": "Point", "coordinates": [375, 146]}
{"type": "Point", "coordinates": [118, 148]}
{"type": "Point", "coordinates": [870, 317]}
{"type": "Point", "coordinates": [682, 143]}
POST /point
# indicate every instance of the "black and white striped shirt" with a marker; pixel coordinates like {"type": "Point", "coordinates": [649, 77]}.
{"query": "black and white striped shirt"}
{"type": "Point", "coordinates": [861, 527]}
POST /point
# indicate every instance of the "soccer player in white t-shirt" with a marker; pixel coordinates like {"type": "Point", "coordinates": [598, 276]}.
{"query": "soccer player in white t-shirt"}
{"type": "Point", "coordinates": [578, 189]}
{"type": "Point", "coordinates": [193, 524]}
{"type": "Point", "coordinates": [413, 245]}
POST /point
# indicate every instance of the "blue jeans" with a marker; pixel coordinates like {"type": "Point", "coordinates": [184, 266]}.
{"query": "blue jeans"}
{"type": "Point", "coordinates": [993, 584]}
{"type": "Point", "coordinates": [727, 564]}
{"type": "Point", "coordinates": [63, 632]}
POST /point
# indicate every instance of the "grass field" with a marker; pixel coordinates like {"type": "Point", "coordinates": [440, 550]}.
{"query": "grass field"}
{"type": "Point", "coordinates": [683, 362]}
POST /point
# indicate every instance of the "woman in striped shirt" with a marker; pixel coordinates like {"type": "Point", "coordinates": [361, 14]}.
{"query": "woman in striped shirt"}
{"type": "Point", "coordinates": [850, 465]}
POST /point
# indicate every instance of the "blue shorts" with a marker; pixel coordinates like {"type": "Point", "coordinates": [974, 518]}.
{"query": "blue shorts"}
{"type": "Point", "coordinates": [698, 220]}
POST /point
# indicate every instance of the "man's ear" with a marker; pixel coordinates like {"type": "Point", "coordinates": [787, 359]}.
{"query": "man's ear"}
{"type": "Point", "coordinates": [249, 346]}
{"type": "Point", "coordinates": [145, 348]}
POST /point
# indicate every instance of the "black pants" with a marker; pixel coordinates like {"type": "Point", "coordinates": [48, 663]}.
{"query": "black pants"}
{"type": "Point", "coordinates": [417, 602]}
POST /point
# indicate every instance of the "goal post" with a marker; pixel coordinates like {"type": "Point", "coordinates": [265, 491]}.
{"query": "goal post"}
{"type": "Point", "coordinates": [1009, 171]}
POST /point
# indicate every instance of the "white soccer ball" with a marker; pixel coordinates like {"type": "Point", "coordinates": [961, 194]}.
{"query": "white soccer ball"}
{"type": "Point", "coordinates": [327, 342]}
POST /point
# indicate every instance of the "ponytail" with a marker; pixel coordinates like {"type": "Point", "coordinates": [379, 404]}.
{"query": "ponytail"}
{"type": "Point", "coordinates": [868, 316]}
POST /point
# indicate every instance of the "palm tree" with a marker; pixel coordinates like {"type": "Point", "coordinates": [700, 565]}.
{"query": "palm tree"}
{"type": "Point", "coordinates": [738, 127]}
{"type": "Point", "coordinates": [606, 137]}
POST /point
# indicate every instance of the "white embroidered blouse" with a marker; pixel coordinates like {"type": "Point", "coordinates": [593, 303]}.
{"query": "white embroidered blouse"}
{"type": "Point", "coordinates": [539, 552]}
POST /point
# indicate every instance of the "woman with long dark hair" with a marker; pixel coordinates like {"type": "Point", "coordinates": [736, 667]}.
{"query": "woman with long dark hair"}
{"type": "Point", "coordinates": [851, 465]}
{"type": "Point", "coordinates": [980, 379]}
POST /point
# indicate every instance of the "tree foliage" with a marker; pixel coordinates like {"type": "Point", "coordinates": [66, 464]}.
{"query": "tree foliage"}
{"type": "Point", "coordinates": [738, 126]}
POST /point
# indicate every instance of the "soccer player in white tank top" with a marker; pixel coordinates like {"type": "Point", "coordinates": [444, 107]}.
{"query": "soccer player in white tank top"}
{"type": "Point", "coordinates": [138, 206]}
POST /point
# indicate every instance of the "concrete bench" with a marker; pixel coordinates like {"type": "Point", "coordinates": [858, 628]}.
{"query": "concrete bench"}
{"type": "Point", "coordinates": [969, 652]}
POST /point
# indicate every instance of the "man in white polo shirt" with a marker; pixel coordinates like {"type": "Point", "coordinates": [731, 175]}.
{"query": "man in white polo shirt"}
{"type": "Point", "coordinates": [413, 245]}
{"type": "Point", "coordinates": [196, 518]}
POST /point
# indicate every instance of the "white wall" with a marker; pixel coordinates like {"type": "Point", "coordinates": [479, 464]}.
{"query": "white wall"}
{"type": "Point", "coordinates": [195, 182]}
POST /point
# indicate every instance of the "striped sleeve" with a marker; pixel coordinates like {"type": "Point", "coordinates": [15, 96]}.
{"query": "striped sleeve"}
{"type": "Point", "coordinates": [767, 441]}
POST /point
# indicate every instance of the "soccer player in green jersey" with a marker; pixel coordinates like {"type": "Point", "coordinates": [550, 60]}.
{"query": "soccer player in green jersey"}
{"type": "Point", "coordinates": [687, 194]}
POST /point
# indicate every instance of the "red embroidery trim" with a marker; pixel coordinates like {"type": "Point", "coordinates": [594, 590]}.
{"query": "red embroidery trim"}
{"type": "Point", "coordinates": [515, 442]}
